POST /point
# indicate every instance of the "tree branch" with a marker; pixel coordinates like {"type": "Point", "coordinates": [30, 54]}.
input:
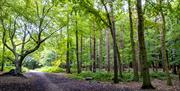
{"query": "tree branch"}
{"type": "Point", "coordinates": [4, 37]}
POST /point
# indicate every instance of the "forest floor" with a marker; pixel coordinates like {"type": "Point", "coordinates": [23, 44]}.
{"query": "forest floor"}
{"type": "Point", "coordinates": [38, 81]}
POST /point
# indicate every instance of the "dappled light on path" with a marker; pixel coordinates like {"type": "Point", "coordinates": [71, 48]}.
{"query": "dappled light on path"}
{"type": "Point", "coordinates": [39, 81]}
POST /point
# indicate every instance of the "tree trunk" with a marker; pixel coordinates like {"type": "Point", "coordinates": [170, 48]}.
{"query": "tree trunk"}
{"type": "Point", "coordinates": [17, 68]}
{"type": "Point", "coordinates": [3, 60]}
{"type": "Point", "coordinates": [135, 63]}
{"type": "Point", "coordinates": [174, 71]}
{"type": "Point", "coordinates": [115, 49]}
{"type": "Point", "coordinates": [100, 51]}
{"type": "Point", "coordinates": [67, 54]}
{"type": "Point", "coordinates": [91, 55]}
{"type": "Point", "coordinates": [81, 50]}
{"type": "Point", "coordinates": [108, 50]}
{"type": "Point", "coordinates": [121, 46]}
{"type": "Point", "coordinates": [77, 51]}
{"type": "Point", "coordinates": [111, 25]}
{"type": "Point", "coordinates": [164, 54]}
{"type": "Point", "coordinates": [67, 59]}
{"type": "Point", "coordinates": [179, 71]}
{"type": "Point", "coordinates": [94, 52]}
{"type": "Point", "coordinates": [143, 55]}
{"type": "Point", "coordinates": [163, 44]}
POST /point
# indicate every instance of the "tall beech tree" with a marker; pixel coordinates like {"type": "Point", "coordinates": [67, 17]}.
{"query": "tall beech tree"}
{"type": "Point", "coordinates": [111, 25]}
{"type": "Point", "coordinates": [142, 49]}
{"type": "Point", "coordinates": [3, 58]}
{"type": "Point", "coordinates": [68, 70]}
{"type": "Point", "coordinates": [94, 49]}
{"type": "Point", "coordinates": [135, 64]}
{"type": "Point", "coordinates": [100, 50]}
{"type": "Point", "coordinates": [81, 50]}
{"type": "Point", "coordinates": [77, 45]}
{"type": "Point", "coordinates": [163, 44]}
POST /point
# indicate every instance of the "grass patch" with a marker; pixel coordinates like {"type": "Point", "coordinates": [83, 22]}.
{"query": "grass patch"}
{"type": "Point", "coordinates": [8, 68]}
{"type": "Point", "coordinates": [127, 76]}
{"type": "Point", "coordinates": [98, 76]}
{"type": "Point", "coordinates": [161, 75]}
{"type": "Point", "coordinates": [158, 75]}
{"type": "Point", "coordinates": [102, 76]}
{"type": "Point", "coordinates": [52, 69]}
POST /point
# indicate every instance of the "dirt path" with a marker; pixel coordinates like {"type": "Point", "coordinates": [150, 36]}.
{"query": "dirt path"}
{"type": "Point", "coordinates": [58, 82]}
{"type": "Point", "coordinates": [42, 82]}
{"type": "Point", "coordinates": [38, 81]}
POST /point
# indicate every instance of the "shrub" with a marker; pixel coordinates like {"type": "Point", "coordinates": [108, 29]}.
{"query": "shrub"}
{"type": "Point", "coordinates": [127, 76]}
{"type": "Point", "coordinates": [103, 76]}
{"type": "Point", "coordinates": [8, 68]}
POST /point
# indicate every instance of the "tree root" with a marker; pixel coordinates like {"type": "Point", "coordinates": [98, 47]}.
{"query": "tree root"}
{"type": "Point", "coordinates": [13, 73]}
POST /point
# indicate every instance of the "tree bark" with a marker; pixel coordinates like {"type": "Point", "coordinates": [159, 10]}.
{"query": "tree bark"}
{"type": "Point", "coordinates": [77, 53]}
{"type": "Point", "coordinates": [143, 55]}
{"type": "Point", "coordinates": [81, 51]}
{"type": "Point", "coordinates": [68, 70]}
{"type": "Point", "coordinates": [108, 50]}
{"type": "Point", "coordinates": [3, 60]}
{"type": "Point", "coordinates": [174, 70]}
{"type": "Point", "coordinates": [100, 51]}
{"type": "Point", "coordinates": [179, 71]}
{"type": "Point", "coordinates": [18, 64]}
{"type": "Point", "coordinates": [77, 48]}
{"type": "Point", "coordinates": [135, 63]}
{"type": "Point", "coordinates": [91, 55]}
{"type": "Point", "coordinates": [115, 49]}
{"type": "Point", "coordinates": [163, 44]}
{"type": "Point", "coordinates": [94, 52]}
{"type": "Point", "coordinates": [111, 25]}
{"type": "Point", "coordinates": [18, 67]}
{"type": "Point", "coordinates": [121, 47]}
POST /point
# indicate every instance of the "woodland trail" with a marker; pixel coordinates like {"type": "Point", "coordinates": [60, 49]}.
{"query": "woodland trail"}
{"type": "Point", "coordinates": [39, 81]}
{"type": "Point", "coordinates": [58, 82]}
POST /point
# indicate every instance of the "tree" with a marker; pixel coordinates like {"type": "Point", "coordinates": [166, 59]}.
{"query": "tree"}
{"type": "Point", "coordinates": [91, 53]}
{"type": "Point", "coordinates": [111, 25]}
{"type": "Point", "coordinates": [163, 44]}
{"type": "Point", "coordinates": [94, 49]}
{"type": "Point", "coordinates": [68, 70]}
{"type": "Point", "coordinates": [77, 46]}
{"type": "Point", "coordinates": [81, 50]}
{"type": "Point", "coordinates": [100, 50]}
{"type": "Point", "coordinates": [142, 49]}
{"type": "Point", "coordinates": [3, 59]}
{"type": "Point", "coordinates": [19, 33]}
{"type": "Point", "coordinates": [108, 51]}
{"type": "Point", "coordinates": [135, 64]}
